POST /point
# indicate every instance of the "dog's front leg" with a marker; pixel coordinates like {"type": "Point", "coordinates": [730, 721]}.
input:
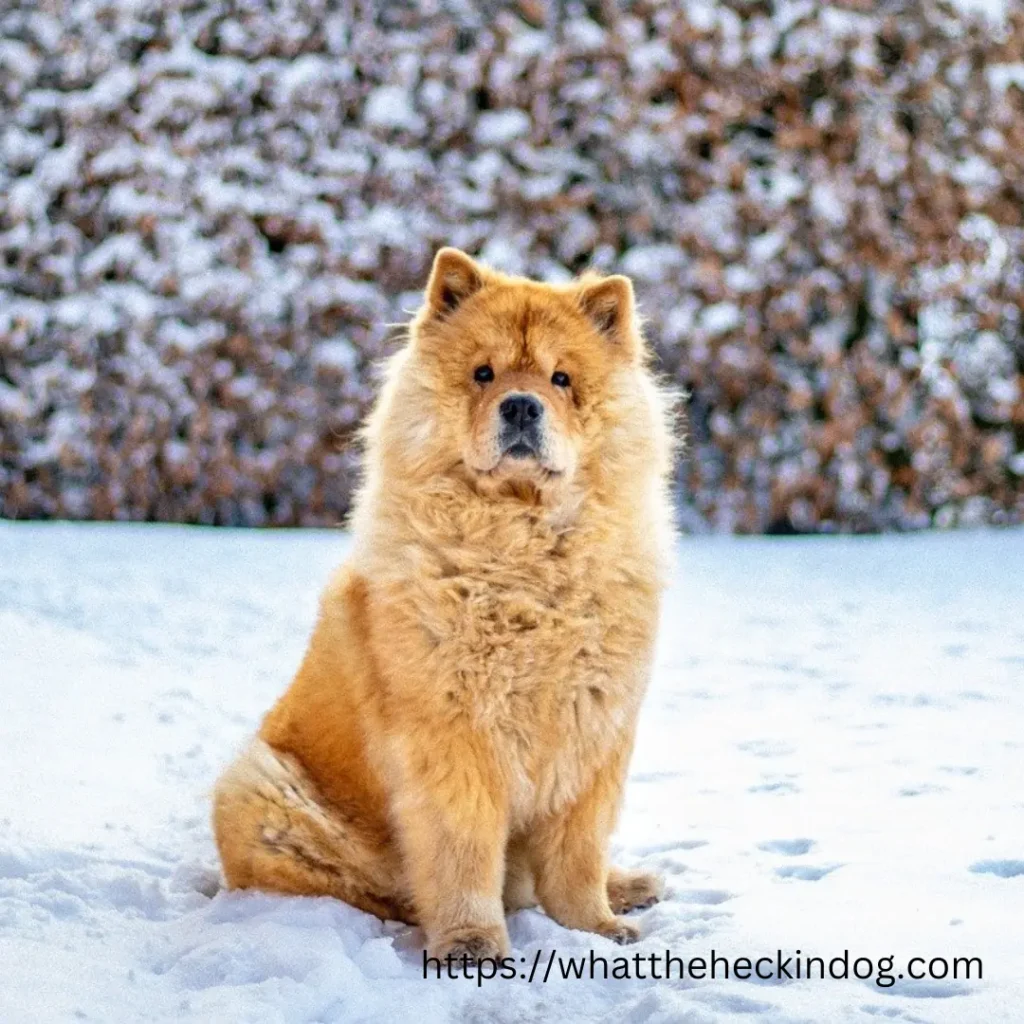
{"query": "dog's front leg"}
{"type": "Point", "coordinates": [569, 854]}
{"type": "Point", "coordinates": [451, 813]}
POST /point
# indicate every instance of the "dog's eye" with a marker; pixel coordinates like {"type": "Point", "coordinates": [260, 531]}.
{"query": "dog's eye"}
{"type": "Point", "coordinates": [483, 374]}
{"type": "Point", "coordinates": [560, 380]}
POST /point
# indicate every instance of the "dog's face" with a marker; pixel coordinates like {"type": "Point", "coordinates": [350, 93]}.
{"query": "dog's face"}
{"type": "Point", "coordinates": [520, 383]}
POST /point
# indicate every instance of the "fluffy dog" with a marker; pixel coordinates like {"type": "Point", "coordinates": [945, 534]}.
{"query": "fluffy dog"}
{"type": "Point", "coordinates": [455, 742]}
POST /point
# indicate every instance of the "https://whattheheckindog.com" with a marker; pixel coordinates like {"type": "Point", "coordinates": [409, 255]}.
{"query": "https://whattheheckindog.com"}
{"type": "Point", "coordinates": [781, 966]}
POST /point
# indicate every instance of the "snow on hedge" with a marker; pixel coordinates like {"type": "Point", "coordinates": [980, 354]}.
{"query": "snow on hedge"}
{"type": "Point", "coordinates": [211, 213]}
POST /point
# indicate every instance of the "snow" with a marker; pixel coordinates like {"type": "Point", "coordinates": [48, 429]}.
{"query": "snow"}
{"type": "Point", "coordinates": [499, 127]}
{"type": "Point", "coordinates": [653, 262]}
{"type": "Point", "coordinates": [829, 758]}
{"type": "Point", "coordinates": [390, 106]}
{"type": "Point", "coordinates": [993, 11]}
{"type": "Point", "coordinates": [339, 354]}
{"type": "Point", "coordinates": [721, 318]}
{"type": "Point", "coordinates": [1002, 76]}
{"type": "Point", "coordinates": [828, 204]}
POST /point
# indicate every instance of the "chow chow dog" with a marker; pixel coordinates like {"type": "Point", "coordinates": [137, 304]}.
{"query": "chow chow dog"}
{"type": "Point", "coordinates": [455, 742]}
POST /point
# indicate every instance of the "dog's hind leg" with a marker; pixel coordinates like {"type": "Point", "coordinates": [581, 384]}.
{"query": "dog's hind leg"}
{"type": "Point", "coordinates": [276, 833]}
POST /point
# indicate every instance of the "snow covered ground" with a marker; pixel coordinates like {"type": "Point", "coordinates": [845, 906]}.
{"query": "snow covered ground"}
{"type": "Point", "coordinates": [830, 758]}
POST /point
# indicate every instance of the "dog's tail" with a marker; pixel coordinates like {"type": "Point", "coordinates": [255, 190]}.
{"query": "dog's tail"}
{"type": "Point", "coordinates": [276, 832]}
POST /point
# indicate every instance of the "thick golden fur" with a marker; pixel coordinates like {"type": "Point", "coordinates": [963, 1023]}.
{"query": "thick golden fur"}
{"type": "Point", "coordinates": [455, 742]}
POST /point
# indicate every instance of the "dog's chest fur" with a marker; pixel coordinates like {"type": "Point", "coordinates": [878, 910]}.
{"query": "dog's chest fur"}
{"type": "Point", "coordinates": [540, 638]}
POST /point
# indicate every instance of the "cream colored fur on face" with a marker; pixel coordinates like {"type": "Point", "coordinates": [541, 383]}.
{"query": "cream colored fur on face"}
{"type": "Point", "coordinates": [455, 742]}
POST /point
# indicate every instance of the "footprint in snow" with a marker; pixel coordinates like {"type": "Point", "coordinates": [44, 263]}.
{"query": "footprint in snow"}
{"type": "Point", "coordinates": [779, 786]}
{"type": "Point", "coordinates": [671, 845]}
{"type": "Point", "coordinates": [806, 872]}
{"type": "Point", "coordinates": [892, 1013]}
{"type": "Point", "coordinates": [731, 1002]}
{"type": "Point", "coordinates": [787, 847]}
{"type": "Point", "coordinates": [766, 748]}
{"type": "Point", "coordinates": [926, 988]}
{"type": "Point", "coordinates": [709, 897]}
{"type": "Point", "coordinates": [1002, 868]}
{"type": "Point", "coordinates": [921, 790]}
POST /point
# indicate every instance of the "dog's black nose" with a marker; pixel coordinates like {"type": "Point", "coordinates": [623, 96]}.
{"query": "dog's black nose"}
{"type": "Point", "coordinates": [521, 411]}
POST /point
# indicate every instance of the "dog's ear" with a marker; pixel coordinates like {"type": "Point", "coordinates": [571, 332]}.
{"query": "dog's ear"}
{"type": "Point", "coordinates": [609, 304]}
{"type": "Point", "coordinates": [453, 278]}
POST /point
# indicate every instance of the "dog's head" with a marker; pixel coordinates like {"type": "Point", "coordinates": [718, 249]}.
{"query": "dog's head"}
{"type": "Point", "coordinates": [523, 387]}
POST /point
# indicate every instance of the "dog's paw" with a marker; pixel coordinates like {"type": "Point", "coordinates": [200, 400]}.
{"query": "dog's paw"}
{"type": "Point", "coordinates": [633, 890]}
{"type": "Point", "coordinates": [619, 930]}
{"type": "Point", "coordinates": [471, 945]}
